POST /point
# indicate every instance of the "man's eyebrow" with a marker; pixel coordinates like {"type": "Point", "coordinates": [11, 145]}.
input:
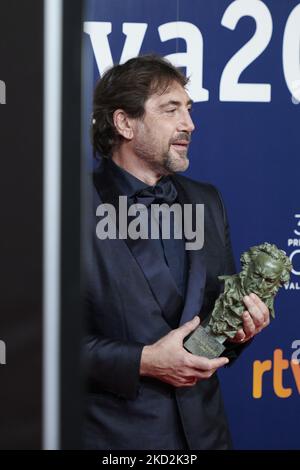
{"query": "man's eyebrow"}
{"type": "Point", "coordinates": [175, 103]}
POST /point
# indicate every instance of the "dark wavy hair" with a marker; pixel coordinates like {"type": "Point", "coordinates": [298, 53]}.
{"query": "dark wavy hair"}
{"type": "Point", "coordinates": [127, 87]}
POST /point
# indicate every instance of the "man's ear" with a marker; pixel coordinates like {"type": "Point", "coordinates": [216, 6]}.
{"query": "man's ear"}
{"type": "Point", "coordinates": [123, 124]}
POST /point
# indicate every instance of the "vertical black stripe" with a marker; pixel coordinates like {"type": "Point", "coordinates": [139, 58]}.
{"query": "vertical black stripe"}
{"type": "Point", "coordinates": [71, 308]}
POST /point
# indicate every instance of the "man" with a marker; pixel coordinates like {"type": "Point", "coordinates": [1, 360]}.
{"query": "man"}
{"type": "Point", "coordinates": [144, 296]}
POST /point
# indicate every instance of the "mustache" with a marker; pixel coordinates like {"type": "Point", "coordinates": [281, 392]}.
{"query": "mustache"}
{"type": "Point", "coordinates": [181, 136]}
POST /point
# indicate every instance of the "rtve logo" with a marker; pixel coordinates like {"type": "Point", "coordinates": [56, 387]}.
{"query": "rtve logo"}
{"type": "Point", "coordinates": [279, 365]}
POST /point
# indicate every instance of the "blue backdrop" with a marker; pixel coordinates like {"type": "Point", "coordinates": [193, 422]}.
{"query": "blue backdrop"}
{"type": "Point", "coordinates": [243, 57]}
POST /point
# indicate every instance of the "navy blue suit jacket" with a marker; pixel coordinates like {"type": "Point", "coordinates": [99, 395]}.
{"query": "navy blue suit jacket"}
{"type": "Point", "coordinates": [125, 312]}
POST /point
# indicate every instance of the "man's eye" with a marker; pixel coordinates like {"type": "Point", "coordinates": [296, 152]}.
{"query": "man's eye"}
{"type": "Point", "coordinates": [190, 110]}
{"type": "Point", "coordinates": [171, 110]}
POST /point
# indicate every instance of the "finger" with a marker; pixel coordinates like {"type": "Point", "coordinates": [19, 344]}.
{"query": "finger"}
{"type": "Point", "coordinates": [185, 382]}
{"type": "Point", "coordinates": [188, 327]}
{"type": "Point", "coordinates": [254, 311]}
{"type": "Point", "coordinates": [239, 337]}
{"type": "Point", "coordinates": [259, 330]}
{"type": "Point", "coordinates": [203, 364]}
{"type": "Point", "coordinates": [263, 308]}
{"type": "Point", "coordinates": [189, 384]}
{"type": "Point", "coordinates": [204, 374]}
{"type": "Point", "coordinates": [192, 380]}
{"type": "Point", "coordinates": [248, 325]}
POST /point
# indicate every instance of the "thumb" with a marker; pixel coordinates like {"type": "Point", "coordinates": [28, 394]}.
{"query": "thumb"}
{"type": "Point", "coordinates": [189, 326]}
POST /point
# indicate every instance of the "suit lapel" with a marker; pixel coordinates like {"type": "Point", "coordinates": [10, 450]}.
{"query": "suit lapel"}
{"type": "Point", "coordinates": [197, 268]}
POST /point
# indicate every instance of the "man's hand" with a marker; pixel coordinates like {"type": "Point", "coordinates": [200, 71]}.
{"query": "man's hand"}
{"type": "Point", "coordinates": [255, 319]}
{"type": "Point", "coordinates": [169, 362]}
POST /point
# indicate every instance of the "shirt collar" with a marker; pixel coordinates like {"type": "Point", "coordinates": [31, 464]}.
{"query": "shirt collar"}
{"type": "Point", "coordinates": [125, 183]}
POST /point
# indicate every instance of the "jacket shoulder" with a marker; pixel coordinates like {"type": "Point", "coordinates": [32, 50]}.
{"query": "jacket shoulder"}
{"type": "Point", "coordinates": [202, 186]}
{"type": "Point", "coordinates": [202, 191]}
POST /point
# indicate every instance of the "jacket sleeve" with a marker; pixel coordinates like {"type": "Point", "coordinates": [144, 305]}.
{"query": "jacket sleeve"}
{"type": "Point", "coordinates": [113, 366]}
{"type": "Point", "coordinates": [109, 362]}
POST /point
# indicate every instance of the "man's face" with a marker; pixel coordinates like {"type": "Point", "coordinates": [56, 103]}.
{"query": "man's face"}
{"type": "Point", "coordinates": [162, 136]}
{"type": "Point", "coordinates": [263, 275]}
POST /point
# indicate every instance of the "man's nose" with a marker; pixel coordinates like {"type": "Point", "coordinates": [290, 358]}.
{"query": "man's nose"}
{"type": "Point", "coordinates": [186, 124]}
